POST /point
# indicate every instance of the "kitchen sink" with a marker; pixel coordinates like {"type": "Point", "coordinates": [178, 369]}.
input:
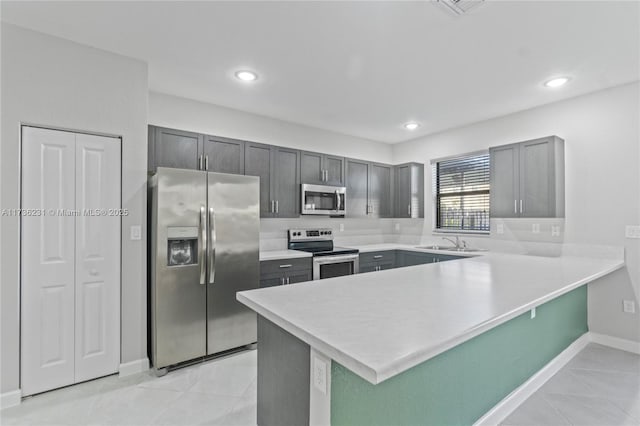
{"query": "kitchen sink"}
{"type": "Point", "coordinates": [450, 248]}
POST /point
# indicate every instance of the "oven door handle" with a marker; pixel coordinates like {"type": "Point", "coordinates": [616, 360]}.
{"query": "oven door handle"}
{"type": "Point", "coordinates": [321, 260]}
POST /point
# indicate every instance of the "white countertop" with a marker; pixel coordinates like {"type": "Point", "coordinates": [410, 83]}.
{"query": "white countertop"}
{"type": "Point", "coordinates": [282, 254]}
{"type": "Point", "coordinates": [382, 323]}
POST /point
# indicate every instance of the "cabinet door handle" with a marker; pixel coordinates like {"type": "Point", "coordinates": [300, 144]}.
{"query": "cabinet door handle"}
{"type": "Point", "coordinates": [277, 207]}
{"type": "Point", "coordinates": [378, 256]}
{"type": "Point", "coordinates": [286, 266]}
{"type": "Point", "coordinates": [515, 206]}
{"type": "Point", "coordinates": [199, 162]}
{"type": "Point", "coordinates": [282, 281]}
{"type": "Point", "coordinates": [288, 281]}
{"type": "Point", "coordinates": [206, 162]}
{"type": "Point", "coordinates": [521, 209]}
{"type": "Point", "coordinates": [273, 209]}
{"type": "Point", "coordinates": [409, 209]}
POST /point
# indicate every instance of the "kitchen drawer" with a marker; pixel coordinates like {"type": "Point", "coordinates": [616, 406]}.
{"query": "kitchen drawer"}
{"type": "Point", "coordinates": [445, 257]}
{"type": "Point", "coordinates": [378, 256]}
{"type": "Point", "coordinates": [285, 265]}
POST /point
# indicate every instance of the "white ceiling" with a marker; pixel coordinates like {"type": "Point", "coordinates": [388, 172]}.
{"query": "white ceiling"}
{"type": "Point", "coordinates": [360, 68]}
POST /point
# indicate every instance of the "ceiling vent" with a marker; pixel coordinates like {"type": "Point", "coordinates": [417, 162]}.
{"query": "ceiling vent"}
{"type": "Point", "coordinates": [459, 7]}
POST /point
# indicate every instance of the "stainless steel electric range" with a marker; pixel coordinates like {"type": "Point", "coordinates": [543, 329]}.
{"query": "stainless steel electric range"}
{"type": "Point", "coordinates": [328, 261]}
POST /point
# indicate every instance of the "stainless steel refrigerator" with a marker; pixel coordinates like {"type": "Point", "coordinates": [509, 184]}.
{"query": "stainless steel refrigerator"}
{"type": "Point", "coordinates": [204, 248]}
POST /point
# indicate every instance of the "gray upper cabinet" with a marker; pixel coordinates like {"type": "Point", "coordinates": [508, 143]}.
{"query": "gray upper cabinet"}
{"type": "Point", "coordinates": [381, 190]}
{"type": "Point", "coordinates": [257, 162]}
{"type": "Point", "coordinates": [174, 148]}
{"type": "Point", "coordinates": [321, 169]}
{"type": "Point", "coordinates": [357, 199]}
{"type": "Point", "coordinates": [409, 190]}
{"type": "Point", "coordinates": [527, 179]}
{"type": "Point", "coordinates": [223, 155]}
{"type": "Point", "coordinates": [285, 182]}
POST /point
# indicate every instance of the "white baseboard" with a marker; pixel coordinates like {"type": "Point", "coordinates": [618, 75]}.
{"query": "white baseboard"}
{"type": "Point", "coordinates": [616, 342]}
{"type": "Point", "coordinates": [10, 399]}
{"type": "Point", "coordinates": [133, 367]}
{"type": "Point", "coordinates": [512, 401]}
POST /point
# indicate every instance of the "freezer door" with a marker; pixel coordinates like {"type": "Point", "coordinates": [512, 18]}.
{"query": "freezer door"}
{"type": "Point", "coordinates": [178, 290]}
{"type": "Point", "coordinates": [232, 259]}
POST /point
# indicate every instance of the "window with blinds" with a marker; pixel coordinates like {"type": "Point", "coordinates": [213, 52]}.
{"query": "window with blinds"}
{"type": "Point", "coordinates": [461, 189]}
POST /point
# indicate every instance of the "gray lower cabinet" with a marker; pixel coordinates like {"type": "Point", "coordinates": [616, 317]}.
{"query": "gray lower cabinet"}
{"type": "Point", "coordinates": [409, 190]}
{"type": "Point", "coordinates": [377, 260]}
{"type": "Point", "coordinates": [173, 148]}
{"type": "Point", "coordinates": [321, 169]}
{"type": "Point", "coordinates": [285, 271]}
{"type": "Point", "coordinates": [527, 179]}
{"type": "Point", "coordinates": [223, 155]}
{"type": "Point", "coordinates": [389, 259]}
{"type": "Point", "coordinates": [369, 189]}
{"type": "Point", "coordinates": [279, 172]}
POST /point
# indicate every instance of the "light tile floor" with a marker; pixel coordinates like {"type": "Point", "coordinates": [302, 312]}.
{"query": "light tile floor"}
{"type": "Point", "coordinates": [217, 392]}
{"type": "Point", "coordinates": [600, 387]}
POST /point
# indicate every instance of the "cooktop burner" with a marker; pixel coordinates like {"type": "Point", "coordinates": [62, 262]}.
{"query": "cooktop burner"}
{"type": "Point", "coordinates": [319, 242]}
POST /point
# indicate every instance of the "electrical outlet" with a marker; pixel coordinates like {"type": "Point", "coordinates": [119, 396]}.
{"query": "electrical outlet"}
{"type": "Point", "coordinates": [629, 306]}
{"type": "Point", "coordinates": [397, 226]}
{"type": "Point", "coordinates": [555, 230]}
{"type": "Point", "coordinates": [136, 232]}
{"type": "Point", "coordinates": [535, 228]}
{"type": "Point", "coordinates": [500, 228]}
{"type": "Point", "coordinates": [533, 313]}
{"type": "Point", "coordinates": [342, 227]}
{"type": "Point", "coordinates": [320, 375]}
{"type": "Point", "coordinates": [632, 231]}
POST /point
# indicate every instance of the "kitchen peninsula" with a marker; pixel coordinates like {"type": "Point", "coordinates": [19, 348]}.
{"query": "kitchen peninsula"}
{"type": "Point", "coordinates": [432, 344]}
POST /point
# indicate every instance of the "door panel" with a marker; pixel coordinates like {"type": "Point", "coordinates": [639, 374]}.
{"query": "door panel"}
{"type": "Point", "coordinates": [311, 170]}
{"type": "Point", "coordinates": [504, 181]}
{"type": "Point", "coordinates": [403, 191]}
{"type": "Point", "coordinates": [97, 272]}
{"type": "Point", "coordinates": [335, 170]}
{"type": "Point", "coordinates": [535, 178]}
{"type": "Point", "coordinates": [224, 155]}
{"type": "Point", "coordinates": [357, 188]}
{"type": "Point", "coordinates": [47, 267]}
{"type": "Point", "coordinates": [234, 226]}
{"type": "Point", "coordinates": [178, 299]}
{"type": "Point", "coordinates": [176, 148]}
{"type": "Point", "coordinates": [286, 182]}
{"type": "Point", "coordinates": [257, 162]}
{"type": "Point", "coordinates": [380, 190]}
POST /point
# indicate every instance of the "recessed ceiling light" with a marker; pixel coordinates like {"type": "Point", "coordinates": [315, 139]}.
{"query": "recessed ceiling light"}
{"type": "Point", "coordinates": [557, 82]}
{"type": "Point", "coordinates": [246, 75]}
{"type": "Point", "coordinates": [411, 126]}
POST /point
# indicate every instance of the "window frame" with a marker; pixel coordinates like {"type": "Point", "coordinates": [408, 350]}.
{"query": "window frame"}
{"type": "Point", "coordinates": [434, 195]}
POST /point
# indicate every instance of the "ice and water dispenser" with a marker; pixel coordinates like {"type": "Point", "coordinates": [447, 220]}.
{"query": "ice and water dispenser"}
{"type": "Point", "coordinates": [182, 245]}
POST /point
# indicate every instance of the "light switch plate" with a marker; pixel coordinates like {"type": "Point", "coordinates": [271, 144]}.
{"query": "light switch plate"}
{"type": "Point", "coordinates": [136, 232]}
{"type": "Point", "coordinates": [555, 230]}
{"type": "Point", "coordinates": [535, 228]}
{"type": "Point", "coordinates": [629, 306]}
{"type": "Point", "coordinates": [533, 313]}
{"type": "Point", "coordinates": [632, 231]}
{"type": "Point", "coordinates": [500, 228]}
{"type": "Point", "coordinates": [320, 375]}
{"type": "Point", "coordinates": [342, 227]}
{"type": "Point", "coordinates": [397, 226]}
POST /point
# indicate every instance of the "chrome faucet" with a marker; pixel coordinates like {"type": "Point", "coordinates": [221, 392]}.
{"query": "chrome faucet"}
{"type": "Point", "coordinates": [460, 244]}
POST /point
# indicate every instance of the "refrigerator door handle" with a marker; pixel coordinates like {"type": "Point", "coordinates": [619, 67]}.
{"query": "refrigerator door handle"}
{"type": "Point", "coordinates": [202, 225]}
{"type": "Point", "coordinates": [212, 246]}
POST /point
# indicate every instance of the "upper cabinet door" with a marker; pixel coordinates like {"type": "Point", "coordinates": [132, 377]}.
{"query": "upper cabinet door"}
{"type": "Point", "coordinates": [257, 162]}
{"type": "Point", "coordinates": [357, 183]}
{"type": "Point", "coordinates": [285, 181]}
{"type": "Point", "coordinates": [174, 148]}
{"type": "Point", "coordinates": [333, 170]}
{"type": "Point", "coordinates": [380, 190]}
{"type": "Point", "coordinates": [223, 155]}
{"type": "Point", "coordinates": [403, 193]}
{"type": "Point", "coordinates": [542, 178]}
{"type": "Point", "coordinates": [409, 190]}
{"type": "Point", "coordinates": [505, 178]}
{"type": "Point", "coordinates": [311, 168]}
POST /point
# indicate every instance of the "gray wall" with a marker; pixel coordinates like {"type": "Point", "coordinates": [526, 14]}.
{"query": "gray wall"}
{"type": "Point", "coordinates": [602, 180]}
{"type": "Point", "coordinates": [50, 81]}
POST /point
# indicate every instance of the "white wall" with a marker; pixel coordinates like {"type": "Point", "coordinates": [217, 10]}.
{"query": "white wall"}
{"type": "Point", "coordinates": [50, 81]}
{"type": "Point", "coordinates": [602, 176]}
{"type": "Point", "coordinates": [186, 114]}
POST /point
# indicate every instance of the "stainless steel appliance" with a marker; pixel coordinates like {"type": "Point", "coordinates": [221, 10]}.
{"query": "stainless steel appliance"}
{"type": "Point", "coordinates": [204, 248]}
{"type": "Point", "coordinates": [323, 200]}
{"type": "Point", "coordinates": [328, 261]}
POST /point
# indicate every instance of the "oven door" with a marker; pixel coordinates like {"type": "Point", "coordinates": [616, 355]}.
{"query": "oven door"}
{"type": "Point", "coordinates": [335, 266]}
{"type": "Point", "coordinates": [323, 200]}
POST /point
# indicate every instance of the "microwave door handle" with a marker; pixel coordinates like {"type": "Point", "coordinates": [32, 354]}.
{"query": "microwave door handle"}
{"type": "Point", "coordinates": [212, 246]}
{"type": "Point", "coordinates": [337, 200]}
{"type": "Point", "coordinates": [202, 230]}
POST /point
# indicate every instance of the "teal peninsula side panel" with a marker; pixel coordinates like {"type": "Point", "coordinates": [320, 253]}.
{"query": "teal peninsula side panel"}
{"type": "Point", "coordinates": [460, 385]}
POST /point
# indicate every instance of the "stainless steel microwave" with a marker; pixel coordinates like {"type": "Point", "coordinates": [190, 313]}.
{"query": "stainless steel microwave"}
{"type": "Point", "coordinates": [323, 200]}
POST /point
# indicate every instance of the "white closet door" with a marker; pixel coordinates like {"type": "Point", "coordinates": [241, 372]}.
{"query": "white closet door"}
{"type": "Point", "coordinates": [97, 242]}
{"type": "Point", "coordinates": [48, 254]}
